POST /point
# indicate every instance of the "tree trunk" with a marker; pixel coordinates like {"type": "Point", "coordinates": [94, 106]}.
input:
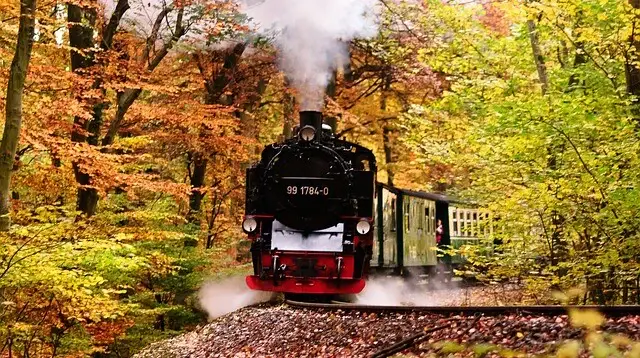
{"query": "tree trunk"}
{"type": "Point", "coordinates": [125, 100]}
{"type": "Point", "coordinates": [197, 178]}
{"type": "Point", "coordinates": [387, 132]}
{"type": "Point", "coordinates": [537, 56]}
{"type": "Point", "coordinates": [129, 95]}
{"type": "Point", "coordinates": [247, 126]}
{"type": "Point", "coordinates": [81, 40]}
{"type": "Point", "coordinates": [330, 91]}
{"type": "Point", "coordinates": [13, 121]}
{"type": "Point", "coordinates": [558, 244]}
{"type": "Point", "coordinates": [215, 87]}
{"type": "Point", "coordinates": [388, 159]}
{"type": "Point", "coordinates": [288, 107]}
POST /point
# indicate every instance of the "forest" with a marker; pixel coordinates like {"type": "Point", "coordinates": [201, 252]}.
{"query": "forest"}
{"type": "Point", "coordinates": [128, 126]}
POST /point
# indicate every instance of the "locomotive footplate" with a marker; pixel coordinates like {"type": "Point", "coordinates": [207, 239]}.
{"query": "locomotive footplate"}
{"type": "Point", "coordinates": [307, 273]}
{"type": "Point", "coordinates": [308, 286]}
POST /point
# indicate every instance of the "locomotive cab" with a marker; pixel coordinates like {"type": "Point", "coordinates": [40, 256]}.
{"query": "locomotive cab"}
{"type": "Point", "coordinates": [309, 209]}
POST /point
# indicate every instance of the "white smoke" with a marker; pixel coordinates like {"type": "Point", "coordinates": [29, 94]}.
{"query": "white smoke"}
{"type": "Point", "coordinates": [312, 36]}
{"type": "Point", "coordinates": [218, 298]}
{"type": "Point", "coordinates": [397, 291]}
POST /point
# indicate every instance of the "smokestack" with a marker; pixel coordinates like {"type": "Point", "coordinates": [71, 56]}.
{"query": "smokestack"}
{"type": "Point", "coordinates": [311, 118]}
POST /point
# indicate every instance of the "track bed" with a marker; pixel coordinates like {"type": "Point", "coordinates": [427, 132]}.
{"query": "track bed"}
{"type": "Point", "coordinates": [285, 331]}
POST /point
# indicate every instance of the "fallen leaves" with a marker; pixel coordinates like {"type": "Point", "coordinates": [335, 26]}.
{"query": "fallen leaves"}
{"type": "Point", "coordinates": [269, 330]}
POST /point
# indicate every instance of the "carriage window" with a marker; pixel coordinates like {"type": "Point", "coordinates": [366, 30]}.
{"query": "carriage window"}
{"type": "Point", "coordinates": [427, 217]}
{"type": "Point", "coordinates": [475, 224]}
{"type": "Point", "coordinates": [455, 223]}
{"type": "Point", "coordinates": [393, 215]}
{"type": "Point", "coordinates": [407, 215]}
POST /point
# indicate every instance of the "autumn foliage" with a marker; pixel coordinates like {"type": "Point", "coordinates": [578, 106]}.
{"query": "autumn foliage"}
{"type": "Point", "coordinates": [139, 119]}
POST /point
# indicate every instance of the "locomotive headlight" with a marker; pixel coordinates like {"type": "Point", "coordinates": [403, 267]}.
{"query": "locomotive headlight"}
{"type": "Point", "coordinates": [249, 225]}
{"type": "Point", "coordinates": [307, 133]}
{"type": "Point", "coordinates": [363, 227]}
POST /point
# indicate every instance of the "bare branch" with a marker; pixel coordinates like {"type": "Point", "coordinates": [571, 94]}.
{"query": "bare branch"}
{"type": "Point", "coordinates": [110, 29]}
{"type": "Point", "coordinates": [366, 123]}
{"type": "Point", "coordinates": [177, 34]}
{"type": "Point", "coordinates": [151, 40]}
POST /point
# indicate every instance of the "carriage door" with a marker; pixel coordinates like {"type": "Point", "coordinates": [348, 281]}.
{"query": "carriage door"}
{"type": "Point", "coordinates": [442, 213]}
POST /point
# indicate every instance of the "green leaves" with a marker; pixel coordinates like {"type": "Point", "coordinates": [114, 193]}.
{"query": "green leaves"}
{"type": "Point", "coordinates": [559, 169]}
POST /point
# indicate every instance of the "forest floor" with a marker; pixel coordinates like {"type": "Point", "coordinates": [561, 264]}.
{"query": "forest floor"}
{"type": "Point", "coordinates": [270, 330]}
{"type": "Point", "coordinates": [277, 330]}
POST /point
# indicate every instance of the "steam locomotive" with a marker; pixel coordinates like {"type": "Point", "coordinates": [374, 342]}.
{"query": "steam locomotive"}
{"type": "Point", "coordinates": [310, 207]}
{"type": "Point", "coordinates": [309, 213]}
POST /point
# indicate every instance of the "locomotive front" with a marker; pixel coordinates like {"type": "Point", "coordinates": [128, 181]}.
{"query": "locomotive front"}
{"type": "Point", "coordinates": [309, 213]}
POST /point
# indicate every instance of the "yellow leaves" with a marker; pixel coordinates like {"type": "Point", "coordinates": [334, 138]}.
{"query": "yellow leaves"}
{"type": "Point", "coordinates": [123, 237]}
{"type": "Point", "coordinates": [589, 319]}
{"type": "Point", "coordinates": [568, 295]}
{"type": "Point", "coordinates": [570, 349]}
{"type": "Point", "coordinates": [619, 340]}
{"type": "Point", "coordinates": [450, 347]}
{"type": "Point", "coordinates": [160, 264]}
{"type": "Point", "coordinates": [603, 350]}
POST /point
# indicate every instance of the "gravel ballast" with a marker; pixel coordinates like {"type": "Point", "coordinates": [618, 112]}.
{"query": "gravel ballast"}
{"type": "Point", "coordinates": [272, 330]}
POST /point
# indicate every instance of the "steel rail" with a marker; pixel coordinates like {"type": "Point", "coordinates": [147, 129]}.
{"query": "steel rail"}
{"type": "Point", "coordinates": [471, 310]}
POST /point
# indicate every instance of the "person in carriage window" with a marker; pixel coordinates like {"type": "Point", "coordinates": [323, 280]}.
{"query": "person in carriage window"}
{"type": "Point", "coordinates": [439, 232]}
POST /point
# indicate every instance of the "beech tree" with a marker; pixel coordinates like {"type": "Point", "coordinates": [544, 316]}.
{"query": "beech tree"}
{"type": "Point", "coordinates": [82, 20]}
{"type": "Point", "coordinates": [13, 119]}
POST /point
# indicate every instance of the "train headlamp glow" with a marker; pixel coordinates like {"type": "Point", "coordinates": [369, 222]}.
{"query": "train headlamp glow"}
{"type": "Point", "coordinates": [249, 225]}
{"type": "Point", "coordinates": [363, 227]}
{"type": "Point", "coordinates": [307, 133]}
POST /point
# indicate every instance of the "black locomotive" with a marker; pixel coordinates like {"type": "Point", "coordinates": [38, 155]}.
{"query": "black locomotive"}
{"type": "Point", "coordinates": [309, 212]}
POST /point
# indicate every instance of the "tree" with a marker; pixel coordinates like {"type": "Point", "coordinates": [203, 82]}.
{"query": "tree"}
{"type": "Point", "coordinates": [383, 80]}
{"type": "Point", "coordinates": [83, 59]}
{"type": "Point", "coordinates": [550, 164]}
{"type": "Point", "coordinates": [170, 25]}
{"type": "Point", "coordinates": [13, 120]}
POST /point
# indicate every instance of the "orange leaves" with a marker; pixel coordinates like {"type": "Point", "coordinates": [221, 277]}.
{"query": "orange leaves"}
{"type": "Point", "coordinates": [495, 19]}
{"type": "Point", "coordinates": [105, 333]}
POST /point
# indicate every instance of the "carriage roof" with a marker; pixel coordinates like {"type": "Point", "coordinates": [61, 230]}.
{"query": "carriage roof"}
{"type": "Point", "coordinates": [429, 196]}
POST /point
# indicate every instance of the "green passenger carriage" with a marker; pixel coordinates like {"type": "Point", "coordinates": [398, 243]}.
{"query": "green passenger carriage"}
{"type": "Point", "coordinates": [405, 230]}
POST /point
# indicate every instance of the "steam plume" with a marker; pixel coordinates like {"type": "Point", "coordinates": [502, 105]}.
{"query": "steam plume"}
{"type": "Point", "coordinates": [221, 297]}
{"type": "Point", "coordinates": [312, 37]}
{"type": "Point", "coordinates": [395, 291]}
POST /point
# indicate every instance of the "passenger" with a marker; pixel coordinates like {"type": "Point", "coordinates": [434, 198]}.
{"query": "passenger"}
{"type": "Point", "coordinates": [439, 232]}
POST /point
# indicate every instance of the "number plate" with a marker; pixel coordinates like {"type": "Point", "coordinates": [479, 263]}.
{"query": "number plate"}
{"type": "Point", "coordinates": [307, 190]}
{"type": "Point", "coordinates": [308, 187]}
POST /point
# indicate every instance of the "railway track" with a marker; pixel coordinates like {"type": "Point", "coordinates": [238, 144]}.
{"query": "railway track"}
{"type": "Point", "coordinates": [299, 329]}
{"type": "Point", "coordinates": [475, 313]}
{"type": "Point", "coordinates": [622, 310]}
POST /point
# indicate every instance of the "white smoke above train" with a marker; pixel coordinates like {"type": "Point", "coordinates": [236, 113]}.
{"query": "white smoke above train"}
{"type": "Point", "coordinates": [312, 37]}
